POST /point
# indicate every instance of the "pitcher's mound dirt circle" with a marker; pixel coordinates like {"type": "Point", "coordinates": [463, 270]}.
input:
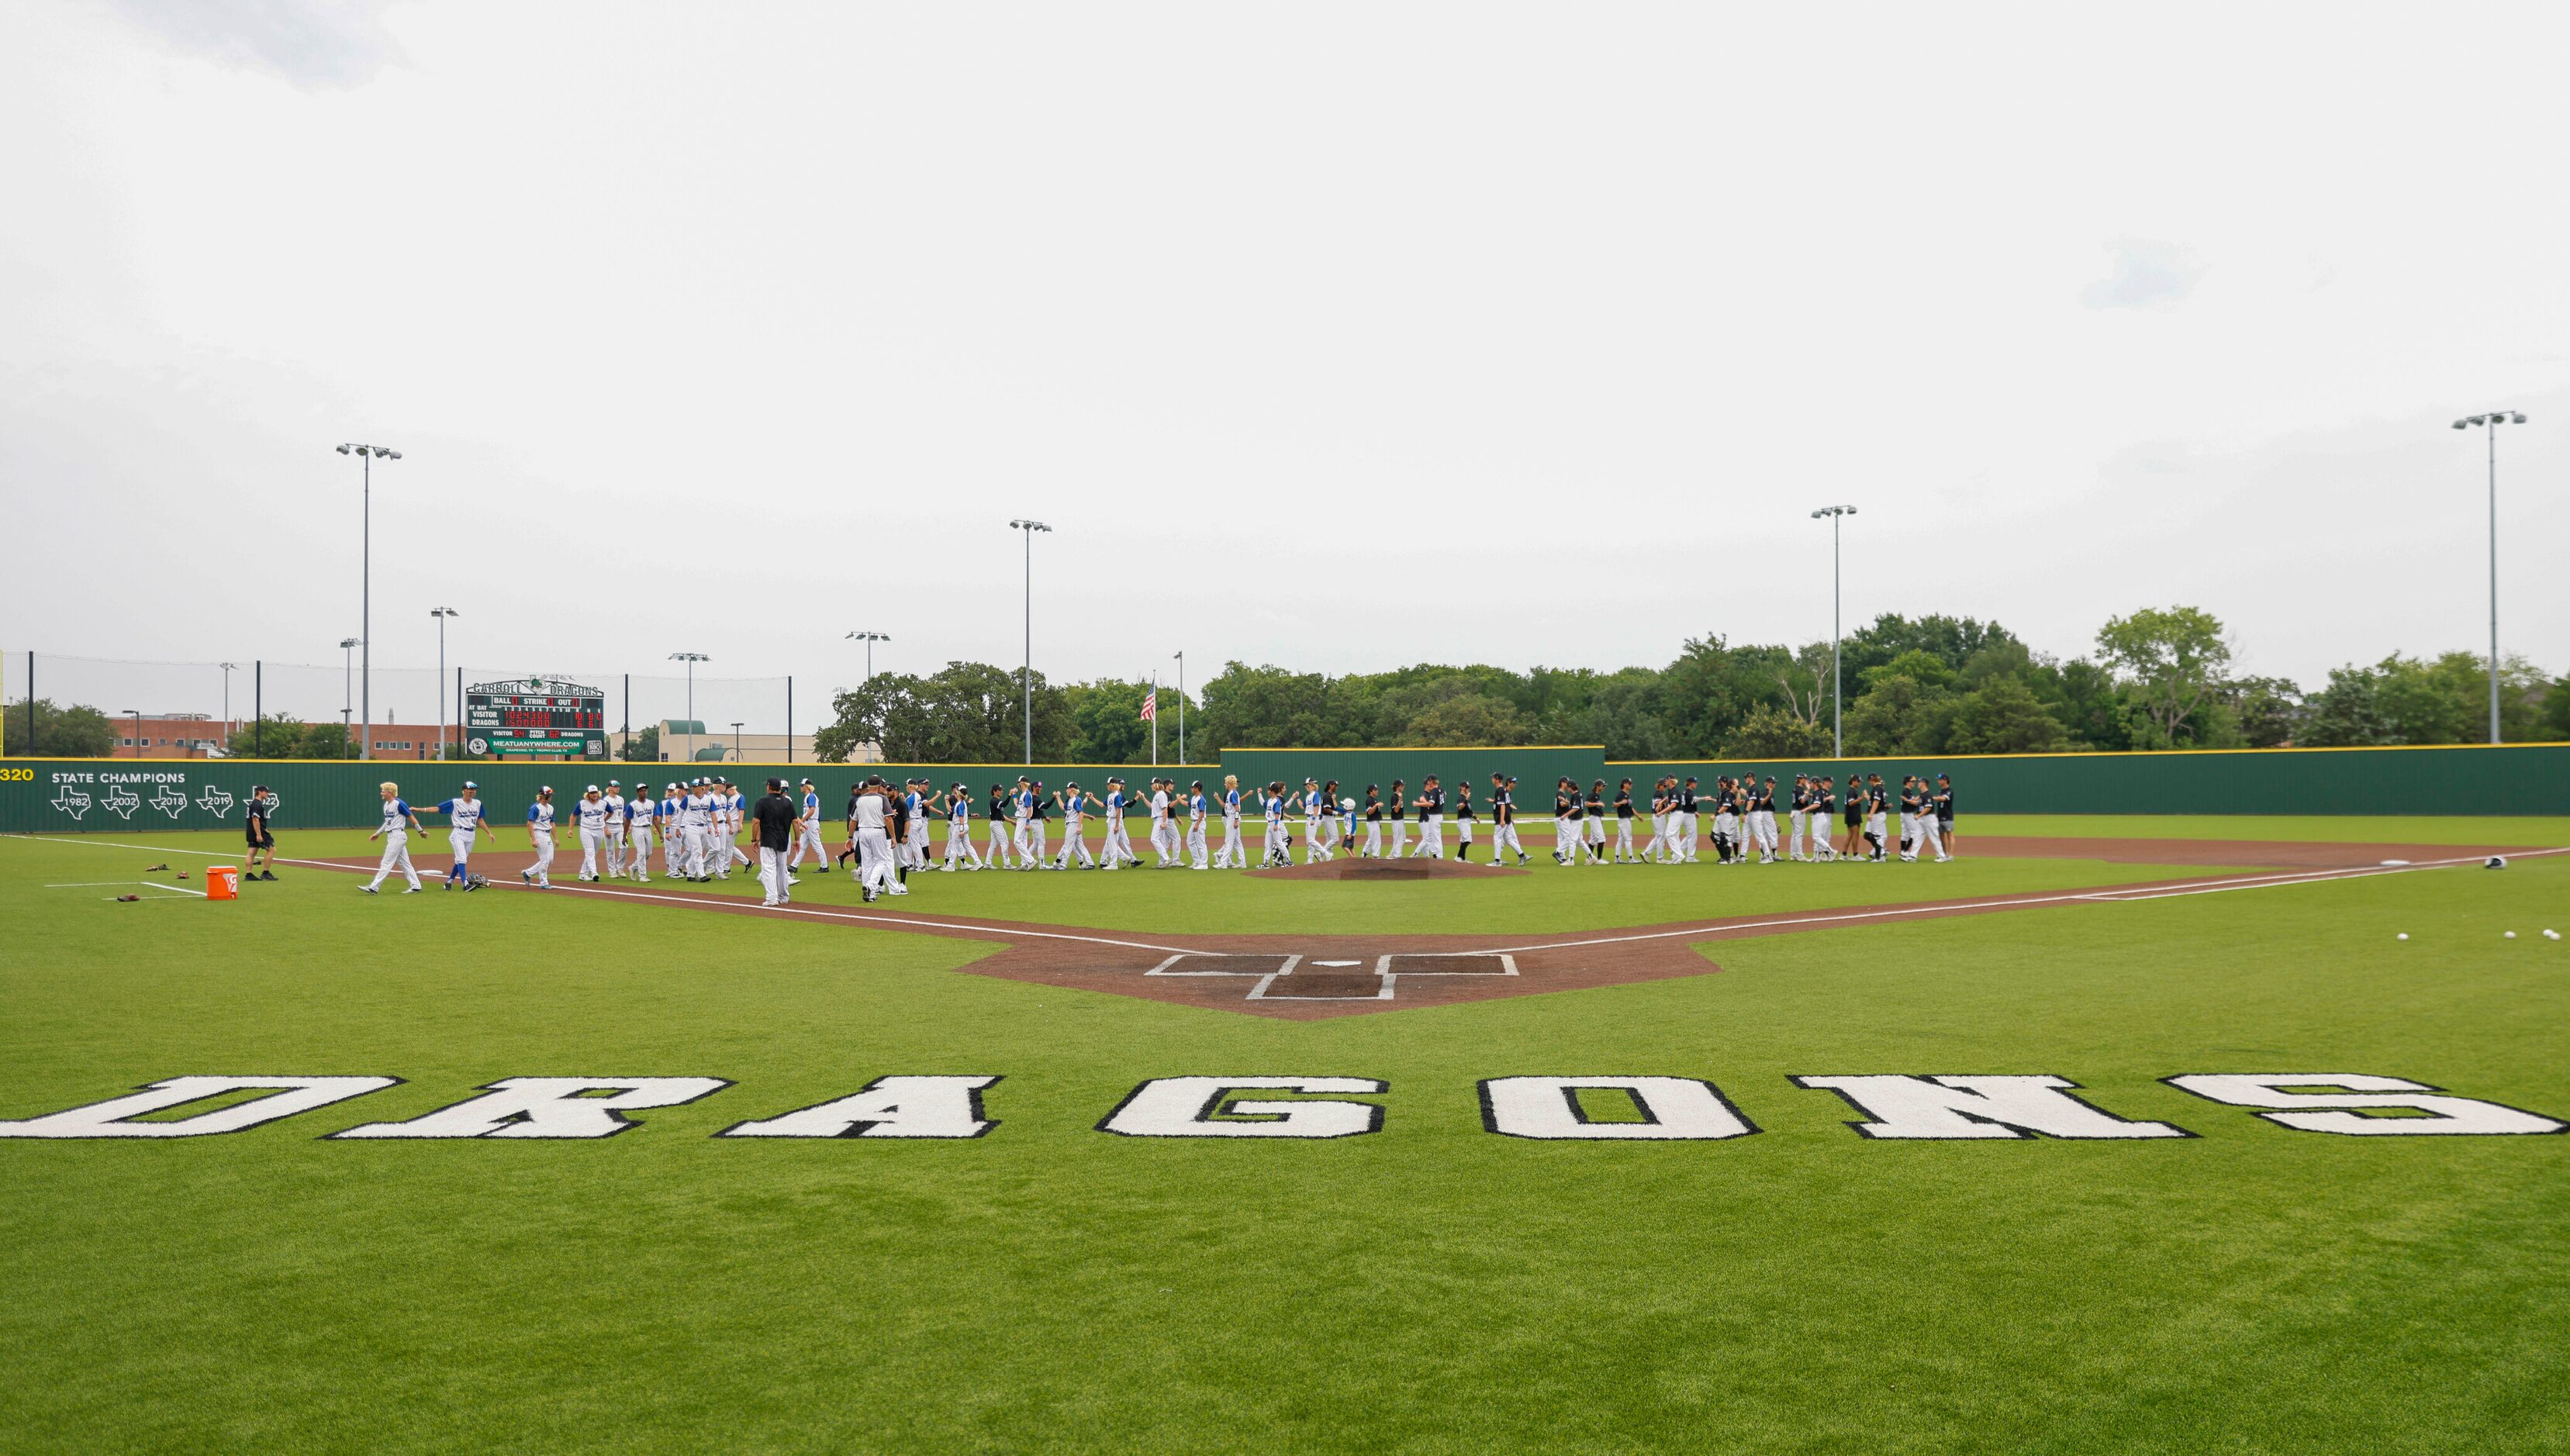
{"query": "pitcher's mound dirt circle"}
{"type": "Point", "coordinates": [1363, 869]}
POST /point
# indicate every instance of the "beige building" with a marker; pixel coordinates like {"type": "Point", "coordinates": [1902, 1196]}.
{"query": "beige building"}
{"type": "Point", "coordinates": [678, 737]}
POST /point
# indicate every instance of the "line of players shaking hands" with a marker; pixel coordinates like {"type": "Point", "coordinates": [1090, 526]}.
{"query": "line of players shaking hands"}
{"type": "Point", "coordinates": [1743, 812]}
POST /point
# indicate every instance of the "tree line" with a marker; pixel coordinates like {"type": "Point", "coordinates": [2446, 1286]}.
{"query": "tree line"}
{"type": "Point", "coordinates": [2159, 678]}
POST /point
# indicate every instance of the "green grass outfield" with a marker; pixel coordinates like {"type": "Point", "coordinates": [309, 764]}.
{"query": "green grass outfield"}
{"type": "Point", "coordinates": [2398, 828]}
{"type": "Point", "coordinates": [1432, 1288]}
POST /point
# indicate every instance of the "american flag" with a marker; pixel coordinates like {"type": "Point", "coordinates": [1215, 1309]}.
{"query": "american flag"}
{"type": "Point", "coordinates": [1150, 705]}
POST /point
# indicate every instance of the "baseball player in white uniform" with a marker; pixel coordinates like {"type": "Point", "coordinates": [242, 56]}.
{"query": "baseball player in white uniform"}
{"type": "Point", "coordinates": [1120, 843]}
{"type": "Point", "coordinates": [996, 855]}
{"type": "Point", "coordinates": [1432, 820]}
{"type": "Point", "coordinates": [923, 805]}
{"type": "Point", "coordinates": [1164, 831]}
{"type": "Point", "coordinates": [1316, 807]}
{"type": "Point", "coordinates": [1273, 804]}
{"type": "Point", "coordinates": [1196, 825]}
{"type": "Point", "coordinates": [696, 824]}
{"type": "Point", "coordinates": [591, 816]}
{"type": "Point", "coordinates": [463, 819]}
{"type": "Point", "coordinates": [1233, 856]}
{"type": "Point", "coordinates": [1074, 819]}
{"type": "Point", "coordinates": [959, 827]}
{"type": "Point", "coordinates": [875, 863]}
{"type": "Point", "coordinates": [399, 821]}
{"type": "Point", "coordinates": [809, 836]}
{"type": "Point", "coordinates": [615, 800]}
{"type": "Point", "coordinates": [638, 832]}
{"type": "Point", "coordinates": [672, 813]}
{"type": "Point", "coordinates": [540, 837]}
{"type": "Point", "coordinates": [734, 816]}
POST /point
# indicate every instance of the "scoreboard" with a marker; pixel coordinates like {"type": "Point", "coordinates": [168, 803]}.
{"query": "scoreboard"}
{"type": "Point", "coordinates": [534, 717]}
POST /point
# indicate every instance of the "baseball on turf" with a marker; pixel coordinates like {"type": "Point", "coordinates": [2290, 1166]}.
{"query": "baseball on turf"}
{"type": "Point", "coordinates": [2403, 935]}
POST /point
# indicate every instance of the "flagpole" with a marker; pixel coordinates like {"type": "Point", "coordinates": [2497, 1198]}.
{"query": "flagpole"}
{"type": "Point", "coordinates": [1154, 701]}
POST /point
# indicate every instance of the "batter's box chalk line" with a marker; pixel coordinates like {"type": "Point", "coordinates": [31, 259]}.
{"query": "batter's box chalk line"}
{"type": "Point", "coordinates": [1273, 972]}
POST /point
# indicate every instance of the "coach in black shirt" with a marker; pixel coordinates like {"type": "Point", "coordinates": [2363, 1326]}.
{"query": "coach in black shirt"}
{"type": "Point", "coordinates": [778, 822]}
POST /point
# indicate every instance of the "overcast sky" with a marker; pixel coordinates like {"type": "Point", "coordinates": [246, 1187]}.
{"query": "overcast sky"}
{"type": "Point", "coordinates": [1338, 336]}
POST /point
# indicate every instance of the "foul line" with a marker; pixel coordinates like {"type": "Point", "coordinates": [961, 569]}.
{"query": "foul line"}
{"type": "Point", "coordinates": [2208, 887]}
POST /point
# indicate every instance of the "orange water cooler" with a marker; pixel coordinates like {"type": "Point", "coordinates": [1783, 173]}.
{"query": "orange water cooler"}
{"type": "Point", "coordinates": [222, 882]}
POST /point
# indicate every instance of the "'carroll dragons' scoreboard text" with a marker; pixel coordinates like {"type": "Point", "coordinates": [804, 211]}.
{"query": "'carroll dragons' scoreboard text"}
{"type": "Point", "coordinates": [535, 716]}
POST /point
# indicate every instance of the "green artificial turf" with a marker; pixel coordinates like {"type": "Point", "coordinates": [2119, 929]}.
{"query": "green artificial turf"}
{"type": "Point", "coordinates": [1432, 1288]}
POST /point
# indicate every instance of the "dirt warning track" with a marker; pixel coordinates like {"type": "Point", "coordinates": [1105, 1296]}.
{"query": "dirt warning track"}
{"type": "Point", "coordinates": [1313, 977]}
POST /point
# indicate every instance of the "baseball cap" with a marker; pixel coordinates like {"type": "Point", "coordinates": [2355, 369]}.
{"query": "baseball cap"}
{"type": "Point", "coordinates": [543, 787]}
{"type": "Point", "coordinates": [775, 785]}
{"type": "Point", "coordinates": [468, 783]}
{"type": "Point", "coordinates": [592, 789]}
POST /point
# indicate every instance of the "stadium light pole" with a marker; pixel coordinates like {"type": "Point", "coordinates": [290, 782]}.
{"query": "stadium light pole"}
{"type": "Point", "coordinates": [367, 455]}
{"type": "Point", "coordinates": [346, 692]}
{"type": "Point", "coordinates": [691, 659]}
{"type": "Point", "coordinates": [137, 715]}
{"type": "Point", "coordinates": [1838, 739]}
{"type": "Point", "coordinates": [870, 638]}
{"type": "Point", "coordinates": [441, 614]}
{"type": "Point", "coordinates": [2489, 424]}
{"type": "Point", "coordinates": [1027, 674]}
{"type": "Point", "coordinates": [1182, 707]}
{"type": "Point", "coordinates": [228, 668]}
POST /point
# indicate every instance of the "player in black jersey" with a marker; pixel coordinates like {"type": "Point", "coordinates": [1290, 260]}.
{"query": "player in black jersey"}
{"type": "Point", "coordinates": [1374, 822]}
{"type": "Point", "coordinates": [1504, 818]}
{"type": "Point", "coordinates": [1909, 801]}
{"type": "Point", "coordinates": [1431, 805]}
{"type": "Point", "coordinates": [1400, 827]}
{"type": "Point", "coordinates": [1595, 805]}
{"type": "Point", "coordinates": [1878, 804]}
{"type": "Point", "coordinates": [1853, 849]}
{"type": "Point", "coordinates": [1624, 824]}
{"type": "Point", "coordinates": [1463, 821]}
{"type": "Point", "coordinates": [1799, 809]}
{"type": "Point", "coordinates": [1565, 820]}
{"type": "Point", "coordinates": [1944, 806]}
{"type": "Point", "coordinates": [1824, 799]}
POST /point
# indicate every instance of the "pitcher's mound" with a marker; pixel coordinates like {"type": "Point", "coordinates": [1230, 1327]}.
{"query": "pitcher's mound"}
{"type": "Point", "coordinates": [1387, 869]}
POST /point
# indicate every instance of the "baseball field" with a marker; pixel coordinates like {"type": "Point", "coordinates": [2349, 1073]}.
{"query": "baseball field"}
{"type": "Point", "coordinates": [2113, 1135]}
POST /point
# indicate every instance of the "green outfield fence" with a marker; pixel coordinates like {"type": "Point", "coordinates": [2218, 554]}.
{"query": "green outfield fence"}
{"type": "Point", "coordinates": [41, 796]}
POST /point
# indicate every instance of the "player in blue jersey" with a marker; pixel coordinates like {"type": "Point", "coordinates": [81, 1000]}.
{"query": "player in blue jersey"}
{"type": "Point", "coordinates": [464, 815]}
{"type": "Point", "coordinates": [540, 837]}
{"type": "Point", "coordinates": [399, 821]}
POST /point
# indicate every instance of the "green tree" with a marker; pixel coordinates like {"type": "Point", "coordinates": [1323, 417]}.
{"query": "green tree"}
{"type": "Point", "coordinates": [274, 736]}
{"type": "Point", "coordinates": [2005, 716]}
{"type": "Point", "coordinates": [1107, 719]}
{"type": "Point", "coordinates": [79, 731]}
{"type": "Point", "coordinates": [2176, 658]}
{"type": "Point", "coordinates": [1954, 641]}
{"type": "Point", "coordinates": [1624, 715]}
{"type": "Point", "coordinates": [966, 712]}
{"type": "Point", "coordinates": [643, 746]}
{"type": "Point", "coordinates": [2269, 710]}
{"type": "Point", "coordinates": [1925, 669]}
{"type": "Point", "coordinates": [1710, 690]}
{"type": "Point", "coordinates": [1473, 720]}
{"type": "Point", "coordinates": [1773, 732]}
{"type": "Point", "coordinates": [2347, 713]}
{"type": "Point", "coordinates": [1897, 714]}
{"type": "Point", "coordinates": [1269, 707]}
{"type": "Point", "coordinates": [2555, 712]}
{"type": "Point", "coordinates": [323, 740]}
{"type": "Point", "coordinates": [2089, 701]}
